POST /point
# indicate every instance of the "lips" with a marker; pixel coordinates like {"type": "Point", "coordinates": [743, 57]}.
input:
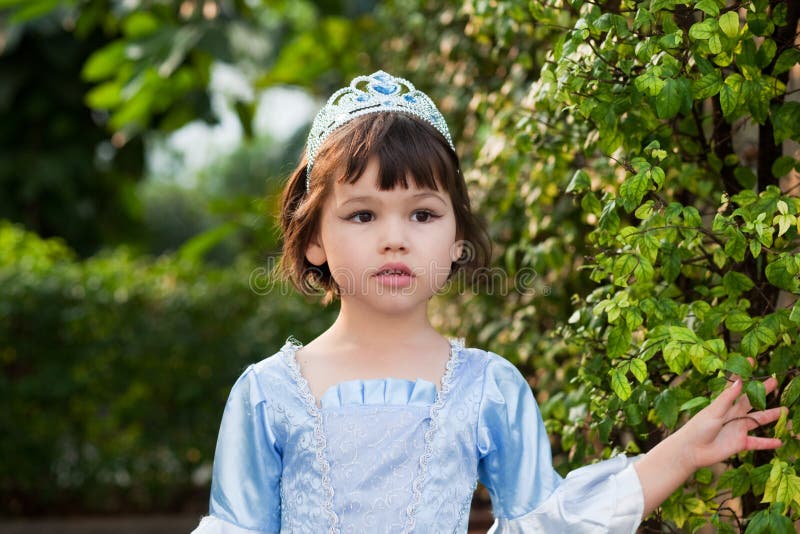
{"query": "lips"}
{"type": "Point", "coordinates": [396, 269]}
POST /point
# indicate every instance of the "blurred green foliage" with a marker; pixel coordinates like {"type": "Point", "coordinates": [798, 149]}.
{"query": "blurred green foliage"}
{"type": "Point", "coordinates": [116, 370]}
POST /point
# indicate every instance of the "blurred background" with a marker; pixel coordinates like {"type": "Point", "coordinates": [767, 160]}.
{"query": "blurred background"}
{"type": "Point", "coordinates": [143, 147]}
{"type": "Point", "coordinates": [144, 144]}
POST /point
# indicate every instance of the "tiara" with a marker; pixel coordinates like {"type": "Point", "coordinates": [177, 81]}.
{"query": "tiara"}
{"type": "Point", "coordinates": [378, 92]}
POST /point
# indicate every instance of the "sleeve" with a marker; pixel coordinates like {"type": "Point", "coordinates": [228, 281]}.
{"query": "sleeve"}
{"type": "Point", "coordinates": [245, 486]}
{"type": "Point", "coordinates": [515, 465]}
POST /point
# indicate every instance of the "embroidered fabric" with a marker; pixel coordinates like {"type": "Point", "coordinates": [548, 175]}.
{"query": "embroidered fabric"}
{"type": "Point", "coordinates": [433, 426]}
{"type": "Point", "coordinates": [288, 352]}
{"type": "Point", "coordinates": [391, 469]}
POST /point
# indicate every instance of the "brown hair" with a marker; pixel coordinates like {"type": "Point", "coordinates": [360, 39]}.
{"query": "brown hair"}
{"type": "Point", "coordinates": [405, 147]}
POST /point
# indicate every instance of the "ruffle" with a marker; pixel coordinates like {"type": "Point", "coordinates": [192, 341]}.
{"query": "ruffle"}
{"type": "Point", "coordinates": [381, 391]}
{"type": "Point", "coordinates": [601, 498]}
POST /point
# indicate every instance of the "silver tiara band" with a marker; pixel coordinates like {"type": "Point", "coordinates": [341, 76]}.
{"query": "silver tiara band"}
{"type": "Point", "coordinates": [377, 93]}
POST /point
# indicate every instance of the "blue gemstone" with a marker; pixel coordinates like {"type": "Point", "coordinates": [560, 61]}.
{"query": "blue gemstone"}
{"type": "Point", "coordinates": [409, 98]}
{"type": "Point", "coordinates": [362, 98]}
{"type": "Point", "coordinates": [385, 89]}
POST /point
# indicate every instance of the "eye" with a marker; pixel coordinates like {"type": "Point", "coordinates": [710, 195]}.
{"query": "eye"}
{"type": "Point", "coordinates": [361, 217]}
{"type": "Point", "coordinates": [424, 216]}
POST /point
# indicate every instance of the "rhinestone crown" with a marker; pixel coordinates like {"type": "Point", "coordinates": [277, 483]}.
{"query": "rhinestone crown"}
{"type": "Point", "coordinates": [378, 92]}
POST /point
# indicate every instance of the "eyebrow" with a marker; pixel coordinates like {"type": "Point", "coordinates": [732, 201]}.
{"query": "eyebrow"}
{"type": "Point", "coordinates": [417, 196]}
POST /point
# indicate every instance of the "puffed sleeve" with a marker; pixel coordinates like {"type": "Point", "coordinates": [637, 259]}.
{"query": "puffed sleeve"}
{"type": "Point", "coordinates": [245, 487]}
{"type": "Point", "coordinates": [516, 467]}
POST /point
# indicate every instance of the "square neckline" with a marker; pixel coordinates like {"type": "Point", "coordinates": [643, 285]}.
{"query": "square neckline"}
{"type": "Point", "coordinates": [313, 404]}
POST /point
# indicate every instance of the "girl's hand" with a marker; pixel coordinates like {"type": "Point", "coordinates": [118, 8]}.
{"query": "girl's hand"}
{"type": "Point", "coordinates": [721, 429]}
{"type": "Point", "coordinates": [717, 432]}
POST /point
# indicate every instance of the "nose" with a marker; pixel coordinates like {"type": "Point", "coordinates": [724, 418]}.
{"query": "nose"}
{"type": "Point", "coordinates": [393, 237]}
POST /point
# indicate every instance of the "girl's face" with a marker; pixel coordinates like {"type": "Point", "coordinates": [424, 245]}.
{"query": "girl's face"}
{"type": "Point", "coordinates": [391, 250]}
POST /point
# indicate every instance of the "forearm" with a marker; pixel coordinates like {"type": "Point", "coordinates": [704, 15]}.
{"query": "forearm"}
{"type": "Point", "coordinates": [663, 470]}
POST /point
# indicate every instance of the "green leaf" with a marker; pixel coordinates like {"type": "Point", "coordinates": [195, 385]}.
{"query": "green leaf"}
{"type": "Point", "coordinates": [757, 394]}
{"type": "Point", "coordinates": [104, 63]}
{"type": "Point", "coordinates": [783, 484]}
{"type": "Point", "coordinates": [670, 263]}
{"type": "Point", "coordinates": [580, 182]}
{"type": "Point", "coordinates": [766, 52]}
{"type": "Point", "coordinates": [668, 100]}
{"type": "Point", "coordinates": [695, 404]}
{"type": "Point", "coordinates": [770, 521]}
{"type": "Point", "coordinates": [657, 175]}
{"type": "Point", "coordinates": [730, 94]}
{"type": "Point", "coordinates": [739, 365]}
{"type": "Point", "coordinates": [707, 86]}
{"type": "Point", "coordinates": [140, 24]}
{"type": "Point", "coordinates": [702, 31]}
{"type": "Point", "coordinates": [590, 204]}
{"type": "Point", "coordinates": [704, 475]}
{"type": "Point", "coordinates": [729, 23]}
{"type": "Point", "coordinates": [633, 190]}
{"type": "Point", "coordinates": [791, 392]}
{"type": "Point", "coordinates": [105, 96]}
{"type": "Point", "coordinates": [783, 273]}
{"type": "Point", "coordinates": [638, 369]}
{"type": "Point", "coordinates": [738, 321]}
{"type": "Point", "coordinates": [676, 356]}
{"type": "Point", "coordinates": [623, 268]}
{"type": "Point", "coordinates": [783, 166]}
{"type": "Point", "coordinates": [736, 247]}
{"type": "Point", "coordinates": [609, 219]}
{"type": "Point", "coordinates": [784, 222]}
{"type": "Point", "coordinates": [709, 7]}
{"type": "Point", "coordinates": [786, 122]}
{"type": "Point", "coordinates": [738, 480]}
{"type": "Point", "coordinates": [750, 345]}
{"type": "Point", "coordinates": [788, 59]}
{"type": "Point", "coordinates": [649, 83]}
{"type": "Point", "coordinates": [794, 316]}
{"type": "Point", "coordinates": [683, 335]}
{"type": "Point", "coordinates": [620, 384]}
{"type": "Point", "coordinates": [644, 211]}
{"type": "Point", "coordinates": [736, 283]}
{"type": "Point", "coordinates": [619, 340]}
{"type": "Point", "coordinates": [666, 408]}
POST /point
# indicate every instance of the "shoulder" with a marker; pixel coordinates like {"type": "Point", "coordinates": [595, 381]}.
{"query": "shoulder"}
{"type": "Point", "coordinates": [493, 365]}
{"type": "Point", "coordinates": [272, 374]}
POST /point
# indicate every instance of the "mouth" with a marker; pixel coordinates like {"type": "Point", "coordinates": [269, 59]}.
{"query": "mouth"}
{"type": "Point", "coordinates": [393, 269]}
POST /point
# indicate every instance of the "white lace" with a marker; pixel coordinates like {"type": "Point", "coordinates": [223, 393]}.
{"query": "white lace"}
{"type": "Point", "coordinates": [411, 521]}
{"type": "Point", "coordinates": [288, 353]}
{"type": "Point", "coordinates": [319, 435]}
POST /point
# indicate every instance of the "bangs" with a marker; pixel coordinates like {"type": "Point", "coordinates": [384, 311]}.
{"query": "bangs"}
{"type": "Point", "coordinates": [406, 147]}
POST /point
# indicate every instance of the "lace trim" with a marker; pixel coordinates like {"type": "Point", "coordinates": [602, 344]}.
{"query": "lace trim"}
{"type": "Point", "coordinates": [288, 352]}
{"type": "Point", "coordinates": [411, 521]}
{"type": "Point", "coordinates": [319, 435]}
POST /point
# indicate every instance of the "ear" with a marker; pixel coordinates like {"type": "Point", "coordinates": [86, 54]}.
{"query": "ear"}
{"type": "Point", "coordinates": [315, 251]}
{"type": "Point", "coordinates": [456, 249]}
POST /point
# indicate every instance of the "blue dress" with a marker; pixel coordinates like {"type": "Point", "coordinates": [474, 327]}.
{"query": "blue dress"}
{"type": "Point", "coordinates": [392, 456]}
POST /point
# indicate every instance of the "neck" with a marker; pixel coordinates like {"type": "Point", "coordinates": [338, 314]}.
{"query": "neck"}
{"type": "Point", "coordinates": [367, 328]}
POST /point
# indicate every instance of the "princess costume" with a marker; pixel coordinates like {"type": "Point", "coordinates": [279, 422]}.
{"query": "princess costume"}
{"type": "Point", "coordinates": [390, 456]}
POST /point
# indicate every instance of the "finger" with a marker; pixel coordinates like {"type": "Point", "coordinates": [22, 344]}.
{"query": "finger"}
{"type": "Point", "coordinates": [754, 443]}
{"type": "Point", "coordinates": [770, 384]}
{"type": "Point", "coordinates": [756, 419]}
{"type": "Point", "coordinates": [769, 416]}
{"type": "Point", "coordinates": [720, 406]}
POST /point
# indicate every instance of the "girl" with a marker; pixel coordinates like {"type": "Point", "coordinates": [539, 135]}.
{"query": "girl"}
{"type": "Point", "coordinates": [381, 424]}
